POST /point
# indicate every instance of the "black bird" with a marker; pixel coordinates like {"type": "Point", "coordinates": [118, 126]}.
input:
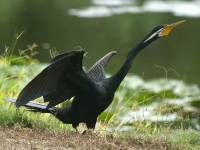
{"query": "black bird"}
{"type": "Point", "coordinates": [91, 91]}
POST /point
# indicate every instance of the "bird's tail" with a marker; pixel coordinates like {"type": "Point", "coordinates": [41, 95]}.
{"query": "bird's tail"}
{"type": "Point", "coordinates": [35, 107]}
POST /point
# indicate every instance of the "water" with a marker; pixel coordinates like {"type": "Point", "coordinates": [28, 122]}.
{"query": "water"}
{"type": "Point", "coordinates": [104, 8]}
{"type": "Point", "coordinates": [99, 26]}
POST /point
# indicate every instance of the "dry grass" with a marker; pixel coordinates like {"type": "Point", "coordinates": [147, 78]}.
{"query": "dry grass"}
{"type": "Point", "coordinates": [23, 138]}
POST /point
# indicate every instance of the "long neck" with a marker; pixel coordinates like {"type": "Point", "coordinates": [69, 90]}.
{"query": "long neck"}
{"type": "Point", "coordinates": [119, 76]}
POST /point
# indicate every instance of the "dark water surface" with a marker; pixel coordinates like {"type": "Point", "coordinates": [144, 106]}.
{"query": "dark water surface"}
{"type": "Point", "coordinates": [52, 23]}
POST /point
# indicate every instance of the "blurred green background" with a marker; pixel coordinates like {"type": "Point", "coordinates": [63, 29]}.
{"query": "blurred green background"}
{"type": "Point", "coordinates": [53, 24]}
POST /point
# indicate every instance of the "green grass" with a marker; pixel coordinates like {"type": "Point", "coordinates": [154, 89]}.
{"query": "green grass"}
{"type": "Point", "coordinates": [173, 139]}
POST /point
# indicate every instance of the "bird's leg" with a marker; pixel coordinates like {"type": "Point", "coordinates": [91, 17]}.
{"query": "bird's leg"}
{"type": "Point", "coordinates": [90, 127]}
{"type": "Point", "coordinates": [89, 131]}
{"type": "Point", "coordinates": [84, 132]}
{"type": "Point", "coordinates": [84, 127]}
{"type": "Point", "coordinates": [75, 126]}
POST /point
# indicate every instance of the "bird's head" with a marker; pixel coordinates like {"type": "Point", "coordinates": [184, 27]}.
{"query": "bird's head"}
{"type": "Point", "coordinates": [161, 30]}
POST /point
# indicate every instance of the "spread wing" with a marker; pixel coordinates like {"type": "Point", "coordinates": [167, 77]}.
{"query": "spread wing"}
{"type": "Point", "coordinates": [64, 72]}
{"type": "Point", "coordinates": [96, 72]}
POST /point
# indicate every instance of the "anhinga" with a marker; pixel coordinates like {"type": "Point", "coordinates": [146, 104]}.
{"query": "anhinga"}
{"type": "Point", "coordinates": [91, 91]}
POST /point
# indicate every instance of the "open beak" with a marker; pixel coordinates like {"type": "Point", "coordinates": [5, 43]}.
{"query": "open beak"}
{"type": "Point", "coordinates": [168, 28]}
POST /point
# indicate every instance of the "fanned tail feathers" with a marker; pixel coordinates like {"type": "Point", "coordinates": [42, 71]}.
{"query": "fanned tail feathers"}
{"type": "Point", "coordinates": [34, 106]}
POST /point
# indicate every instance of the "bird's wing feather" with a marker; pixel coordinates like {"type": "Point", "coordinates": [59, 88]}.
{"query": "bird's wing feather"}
{"type": "Point", "coordinates": [64, 72]}
{"type": "Point", "coordinates": [60, 56]}
{"type": "Point", "coordinates": [96, 72]}
{"type": "Point", "coordinates": [58, 96]}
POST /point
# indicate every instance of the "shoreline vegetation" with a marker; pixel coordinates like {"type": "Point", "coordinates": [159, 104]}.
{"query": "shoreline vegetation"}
{"type": "Point", "coordinates": [156, 114]}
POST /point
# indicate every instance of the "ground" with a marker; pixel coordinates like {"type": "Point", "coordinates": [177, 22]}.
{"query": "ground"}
{"type": "Point", "coordinates": [24, 138]}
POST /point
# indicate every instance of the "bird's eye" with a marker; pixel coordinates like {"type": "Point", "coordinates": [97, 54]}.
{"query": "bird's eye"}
{"type": "Point", "coordinates": [165, 31]}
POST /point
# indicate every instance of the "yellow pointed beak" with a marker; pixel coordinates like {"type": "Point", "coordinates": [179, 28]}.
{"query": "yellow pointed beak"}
{"type": "Point", "coordinates": [168, 28]}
